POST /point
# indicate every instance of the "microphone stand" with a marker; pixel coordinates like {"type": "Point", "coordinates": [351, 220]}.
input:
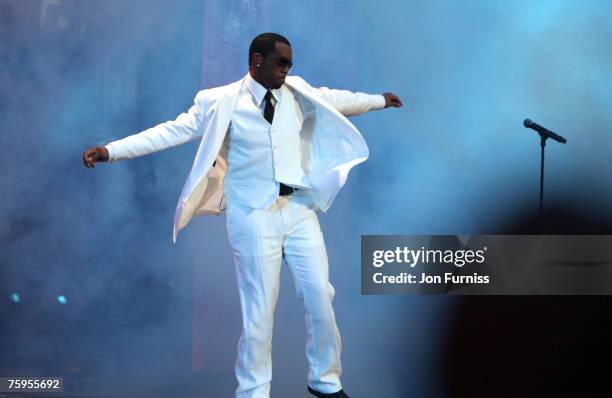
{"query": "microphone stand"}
{"type": "Point", "coordinates": [542, 145]}
{"type": "Point", "coordinates": [544, 134]}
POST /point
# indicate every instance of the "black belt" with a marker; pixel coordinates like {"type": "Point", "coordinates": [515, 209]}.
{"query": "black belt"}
{"type": "Point", "coordinates": [286, 190]}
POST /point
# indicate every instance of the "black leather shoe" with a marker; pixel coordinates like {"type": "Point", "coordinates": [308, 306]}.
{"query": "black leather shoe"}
{"type": "Point", "coordinates": [337, 394]}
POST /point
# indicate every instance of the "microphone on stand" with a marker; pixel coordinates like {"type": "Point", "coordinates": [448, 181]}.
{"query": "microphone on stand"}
{"type": "Point", "coordinates": [544, 132]}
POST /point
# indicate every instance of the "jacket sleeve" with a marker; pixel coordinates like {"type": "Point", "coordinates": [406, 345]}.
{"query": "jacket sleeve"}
{"type": "Point", "coordinates": [349, 103]}
{"type": "Point", "coordinates": [186, 127]}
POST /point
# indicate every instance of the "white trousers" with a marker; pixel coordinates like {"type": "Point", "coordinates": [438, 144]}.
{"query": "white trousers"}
{"type": "Point", "coordinates": [260, 239]}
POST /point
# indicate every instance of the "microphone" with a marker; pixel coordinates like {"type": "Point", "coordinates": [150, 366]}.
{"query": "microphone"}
{"type": "Point", "coordinates": [544, 132]}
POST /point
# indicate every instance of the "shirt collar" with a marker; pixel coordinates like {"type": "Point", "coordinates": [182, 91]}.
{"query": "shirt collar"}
{"type": "Point", "coordinates": [258, 91]}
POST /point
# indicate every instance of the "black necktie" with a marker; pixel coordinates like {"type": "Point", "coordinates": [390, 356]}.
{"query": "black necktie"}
{"type": "Point", "coordinates": [269, 116]}
{"type": "Point", "coordinates": [269, 109]}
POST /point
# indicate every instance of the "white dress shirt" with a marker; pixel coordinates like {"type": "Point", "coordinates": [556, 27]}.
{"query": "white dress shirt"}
{"type": "Point", "coordinates": [260, 155]}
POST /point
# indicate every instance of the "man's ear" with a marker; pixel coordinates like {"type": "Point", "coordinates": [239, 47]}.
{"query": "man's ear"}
{"type": "Point", "coordinates": [257, 59]}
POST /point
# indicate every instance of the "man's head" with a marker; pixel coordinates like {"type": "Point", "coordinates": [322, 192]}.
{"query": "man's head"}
{"type": "Point", "coordinates": [270, 59]}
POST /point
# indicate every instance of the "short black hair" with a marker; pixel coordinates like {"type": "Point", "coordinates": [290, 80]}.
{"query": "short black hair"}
{"type": "Point", "coordinates": [265, 43]}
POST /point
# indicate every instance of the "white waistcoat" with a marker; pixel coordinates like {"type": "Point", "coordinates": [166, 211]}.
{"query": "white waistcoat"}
{"type": "Point", "coordinates": [260, 155]}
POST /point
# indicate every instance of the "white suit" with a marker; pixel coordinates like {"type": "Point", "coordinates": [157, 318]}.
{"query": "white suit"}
{"type": "Point", "coordinates": [288, 228]}
{"type": "Point", "coordinates": [331, 144]}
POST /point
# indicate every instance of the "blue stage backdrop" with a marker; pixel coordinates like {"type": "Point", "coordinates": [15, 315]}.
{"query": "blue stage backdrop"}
{"type": "Point", "coordinates": [139, 312]}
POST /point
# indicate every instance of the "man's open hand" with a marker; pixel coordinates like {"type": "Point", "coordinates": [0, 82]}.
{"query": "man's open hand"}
{"type": "Point", "coordinates": [392, 100]}
{"type": "Point", "coordinates": [95, 154]}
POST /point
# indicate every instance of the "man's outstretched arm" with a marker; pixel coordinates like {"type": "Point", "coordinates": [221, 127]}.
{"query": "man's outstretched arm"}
{"type": "Point", "coordinates": [186, 127]}
{"type": "Point", "coordinates": [355, 103]}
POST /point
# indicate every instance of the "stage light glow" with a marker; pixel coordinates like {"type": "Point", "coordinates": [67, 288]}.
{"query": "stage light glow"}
{"type": "Point", "coordinates": [15, 298]}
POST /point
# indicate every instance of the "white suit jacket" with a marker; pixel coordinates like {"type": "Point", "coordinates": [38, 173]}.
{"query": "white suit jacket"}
{"type": "Point", "coordinates": [331, 145]}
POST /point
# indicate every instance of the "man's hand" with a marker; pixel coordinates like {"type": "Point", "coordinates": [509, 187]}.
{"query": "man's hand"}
{"type": "Point", "coordinates": [95, 154]}
{"type": "Point", "coordinates": [392, 100]}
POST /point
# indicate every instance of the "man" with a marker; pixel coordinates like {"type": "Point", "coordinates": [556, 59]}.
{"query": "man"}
{"type": "Point", "coordinates": [273, 151]}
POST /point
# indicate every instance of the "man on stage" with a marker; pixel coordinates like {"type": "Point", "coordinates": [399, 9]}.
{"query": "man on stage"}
{"type": "Point", "coordinates": [273, 150]}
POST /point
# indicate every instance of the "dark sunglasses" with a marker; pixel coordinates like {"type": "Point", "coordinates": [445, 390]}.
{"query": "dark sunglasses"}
{"type": "Point", "coordinates": [282, 62]}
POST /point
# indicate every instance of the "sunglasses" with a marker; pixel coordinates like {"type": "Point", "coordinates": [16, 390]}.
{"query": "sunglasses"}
{"type": "Point", "coordinates": [282, 62]}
